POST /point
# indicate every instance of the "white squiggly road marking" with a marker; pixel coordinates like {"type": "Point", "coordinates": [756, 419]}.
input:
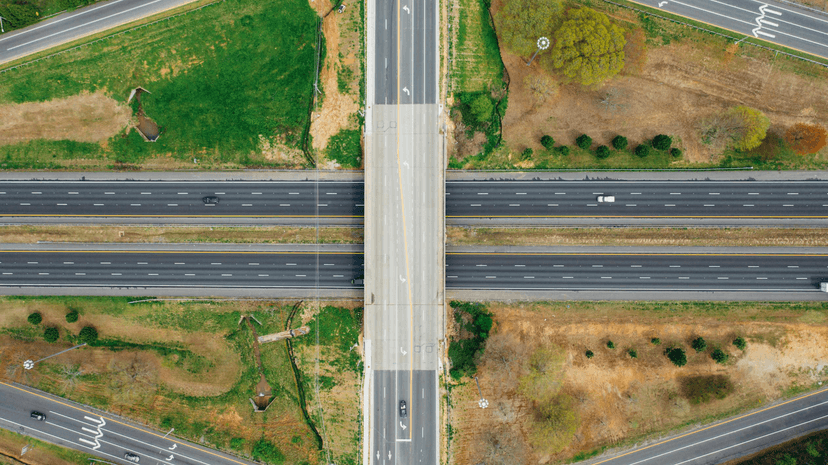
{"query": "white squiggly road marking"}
{"type": "Point", "coordinates": [98, 433]}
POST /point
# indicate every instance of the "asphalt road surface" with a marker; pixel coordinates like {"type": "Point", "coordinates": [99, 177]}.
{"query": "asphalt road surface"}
{"type": "Point", "coordinates": [171, 200]}
{"type": "Point", "coordinates": [730, 439]}
{"type": "Point", "coordinates": [783, 24]}
{"type": "Point", "coordinates": [764, 273]}
{"type": "Point", "coordinates": [77, 24]}
{"type": "Point", "coordinates": [404, 233]}
{"type": "Point", "coordinates": [464, 200]}
{"type": "Point", "coordinates": [82, 428]}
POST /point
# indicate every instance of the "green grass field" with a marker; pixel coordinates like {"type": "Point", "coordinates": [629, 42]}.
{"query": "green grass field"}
{"type": "Point", "coordinates": [476, 64]}
{"type": "Point", "coordinates": [221, 78]}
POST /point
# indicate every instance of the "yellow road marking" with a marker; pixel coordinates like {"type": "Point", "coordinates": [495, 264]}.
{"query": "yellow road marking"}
{"type": "Point", "coordinates": [191, 252]}
{"type": "Point", "coordinates": [121, 423]}
{"type": "Point", "coordinates": [712, 426]}
{"type": "Point", "coordinates": [631, 216]}
{"type": "Point", "coordinates": [5, 215]}
{"type": "Point", "coordinates": [644, 254]}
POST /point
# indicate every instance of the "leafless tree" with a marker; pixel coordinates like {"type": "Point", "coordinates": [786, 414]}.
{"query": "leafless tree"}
{"type": "Point", "coordinates": [543, 87]}
{"type": "Point", "coordinates": [612, 99]}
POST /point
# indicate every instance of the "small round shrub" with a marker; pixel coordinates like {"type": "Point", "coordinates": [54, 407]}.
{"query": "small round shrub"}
{"type": "Point", "coordinates": [547, 142]}
{"type": "Point", "coordinates": [51, 334]}
{"type": "Point", "coordinates": [677, 356]}
{"type": "Point", "coordinates": [642, 150]}
{"type": "Point", "coordinates": [564, 150]}
{"type": "Point", "coordinates": [662, 142]}
{"type": "Point", "coordinates": [675, 152]}
{"type": "Point", "coordinates": [632, 353]}
{"type": "Point", "coordinates": [589, 354]}
{"type": "Point", "coordinates": [602, 152]}
{"type": "Point", "coordinates": [740, 343]}
{"type": "Point", "coordinates": [655, 341]}
{"type": "Point", "coordinates": [583, 141]}
{"type": "Point", "coordinates": [527, 153]}
{"type": "Point", "coordinates": [619, 142]}
{"type": "Point", "coordinates": [237, 443]}
{"type": "Point", "coordinates": [719, 356]}
{"type": "Point", "coordinates": [610, 345]}
{"type": "Point", "coordinates": [72, 316]}
{"type": "Point", "coordinates": [88, 334]}
{"type": "Point", "coordinates": [35, 318]}
{"type": "Point", "coordinates": [699, 344]}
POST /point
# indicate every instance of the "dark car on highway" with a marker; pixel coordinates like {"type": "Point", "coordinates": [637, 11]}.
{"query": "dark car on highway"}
{"type": "Point", "coordinates": [403, 409]}
{"type": "Point", "coordinates": [210, 200]}
{"type": "Point", "coordinates": [37, 415]}
{"type": "Point", "coordinates": [132, 457]}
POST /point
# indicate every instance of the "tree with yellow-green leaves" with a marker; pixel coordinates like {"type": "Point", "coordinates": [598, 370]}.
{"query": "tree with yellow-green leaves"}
{"type": "Point", "coordinates": [740, 127]}
{"type": "Point", "coordinates": [520, 23]}
{"type": "Point", "coordinates": [588, 47]}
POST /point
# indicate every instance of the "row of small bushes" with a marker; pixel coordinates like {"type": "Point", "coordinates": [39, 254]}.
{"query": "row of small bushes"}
{"type": "Point", "coordinates": [88, 334]}
{"type": "Point", "coordinates": [677, 355]}
{"type": "Point", "coordinates": [660, 142]}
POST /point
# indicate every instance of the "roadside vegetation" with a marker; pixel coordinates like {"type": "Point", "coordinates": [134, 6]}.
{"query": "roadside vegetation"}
{"type": "Point", "coordinates": [11, 444]}
{"type": "Point", "coordinates": [173, 235]}
{"type": "Point", "coordinates": [184, 365]}
{"type": "Point", "coordinates": [570, 379]}
{"type": "Point", "coordinates": [19, 14]}
{"type": "Point", "coordinates": [472, 324]}
{"type": "Point", "coordinates": [732, 114]}
{"type": "Point", "coordinates": [642, 237]}
{"type": "Point", "coordinates": [808, 450]}
{"type": "Point", "coordinates": [217, 100]}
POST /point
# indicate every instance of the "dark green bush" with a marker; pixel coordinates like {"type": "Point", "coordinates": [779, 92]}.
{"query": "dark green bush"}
{"type": "Point", "coordinates": [619, 142]}
{"type": "Point", "coordinates": [677, 356]}
{"type": "Point", "coordinates": [662, 142]}
{"type": "Point", "coordinates": [583, 141]}
{"type": "Point", "coordinates": [547, 142]}
{"type": "Point", "coordinates": [655, 341]}
{"type": "Point", "coordinates": [88, 334]}
{"type": "Point", "coordinates": [675, 152]}
{"type": "Point", "coordinates": [610, 345]}
{"type": "Point", "coordinates": [589, 354]}
{"type": "Point", "coordinates": [701, 389]}
{"type": "Point", "coordinates": [602, 152]}
{"type": "Point", "coordinates": [527, 153]}
{"type": "Point", "coordinates": [563, 150]}
{"type": "Point", "coordinates": [632, 353]}
{"type": "Point", "coordinates": [51, 334]}
{"type": "Point", "coordinates": [266, 451]}
{"type": "Point", "coordinates": [699, 344]}
{"type": "Point", "coordinates": [740, 343]}
{"type": "Point", "coordinates": [72, 316]}
{"type": "Point", "coordinates": [35, 318]}
{"type": "Point", "coordinates": [642, 150]}
{"type": "Point", "coordinates": [719, 356]}
{"type": "Point", "coordinates": [476, 320]}
{"type": "Point", "coordinates": [237, 443]}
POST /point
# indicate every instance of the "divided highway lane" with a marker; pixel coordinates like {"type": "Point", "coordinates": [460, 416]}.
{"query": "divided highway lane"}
{"type": "Point", "coordinates": [636, 199]}
{"type": "Point", "coordinates": [637, 272]}
{"type": "Point", "coordinates": [120, 199]}
{"type": "Point", "coordinates": [169, 269]}
{"type": "Point", "coordinates": [80, 427]}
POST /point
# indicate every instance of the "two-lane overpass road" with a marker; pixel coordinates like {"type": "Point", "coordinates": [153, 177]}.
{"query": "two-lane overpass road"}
{"type": "Point", "coordinates": [82, 428]}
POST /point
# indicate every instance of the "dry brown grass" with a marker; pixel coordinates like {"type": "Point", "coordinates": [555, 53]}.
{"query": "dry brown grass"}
{"type": "Point", "coordinates": [134, 234]}
{"type": "Point", "coordinates": [672, 237]}
{"type": "Point", "coordinates": [618, 398]}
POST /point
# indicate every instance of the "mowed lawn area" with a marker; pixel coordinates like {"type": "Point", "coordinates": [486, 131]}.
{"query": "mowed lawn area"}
{"type": "Point", "coordinates": [230, 87]}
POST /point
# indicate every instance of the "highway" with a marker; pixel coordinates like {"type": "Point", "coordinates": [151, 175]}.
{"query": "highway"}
{"type": "Point", "coordinates": [83, 428]}
{"type": "Point", "coordinates": [220, 268]}
{"type": "Point", "coordinates": [730, 439]}
{"type": "Point", "coordinates": [776, 22]}
{"type": "Point", "coordinates": [466, 202]}
{"type": "Point", "coordinates": [404, 233]}
{"type": "Point", "coordinates": [74, 25]}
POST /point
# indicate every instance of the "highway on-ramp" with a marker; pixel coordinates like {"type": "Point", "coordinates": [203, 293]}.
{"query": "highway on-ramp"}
{"type": "Point", "coordinates": [780, 23]}
{"type": "Point", "coordinates": [83, 428]}
{"type": "Point", "coordinates": [730, 439]}
{"type": "Point", "coordinates": [80, 23]}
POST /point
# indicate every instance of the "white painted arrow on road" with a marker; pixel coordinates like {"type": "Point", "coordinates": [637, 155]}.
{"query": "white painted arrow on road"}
{"type": "Point", "coordinates": [170, 457]}
{"type": "Point", "coordinates": [405, 89]}
{"type": "Point", "coordinates": [389, 455]}
{"type": "Point", "coordinates": [173, 447]}
{"type": "Point", "coordinates": [406, 9]}
{"type": "Point", "coordinates": [661, 4]}
{"type": "Point", "coordinates": [402, 279]}
{"type": "Point", "coordinates": [403, 352]}
{"type": "Point", "coordinates": [402, 425]}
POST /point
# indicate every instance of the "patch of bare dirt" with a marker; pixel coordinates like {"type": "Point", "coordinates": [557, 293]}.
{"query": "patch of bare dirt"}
{"type": "Point", "coordinates": [680, 85]}
{"type": "Point", "coordinates": [618, 397]}
{"type": "Point", "coordinates": [279, 153]}
{"type": "Point", "coordinates": [337, 108]}
{"type": "Point", "coordinates": [83, 118]}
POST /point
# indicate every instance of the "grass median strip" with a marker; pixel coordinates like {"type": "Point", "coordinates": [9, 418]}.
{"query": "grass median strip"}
{"type": "Point", "coordinates": [173, 234]}
{"type": "Point", "coordinates": [665, 237]}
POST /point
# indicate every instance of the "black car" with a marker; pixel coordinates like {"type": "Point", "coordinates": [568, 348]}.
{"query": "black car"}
{"type": "Point", "coordinates": [210, 200]}
{"type": "Point", "coordinates": [37, 415]}
{"type": "Point", "coordinates": [403, 410]}
{"type": "Point", "coordinates": [132, 457]}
